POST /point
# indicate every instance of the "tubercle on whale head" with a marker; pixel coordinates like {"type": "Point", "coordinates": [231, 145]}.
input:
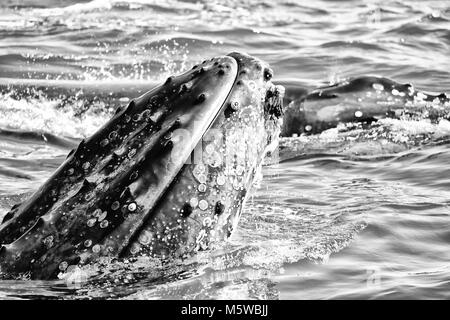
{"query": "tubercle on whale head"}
{"type": "Point", "coordinates": [136, 187]}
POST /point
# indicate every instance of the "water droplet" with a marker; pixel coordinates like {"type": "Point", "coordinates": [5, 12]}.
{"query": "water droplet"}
{"type": "Point", "coordinates": [237, 185]}
{"type": "Point", "coordinates": [89, 196]}
{"type": "Point", "coordinates": [104, 224]}
{"type": "Point", "coordinates": [358, 114]}
{"type": "Point", "coordinates": [221, 180]}
{"type": "Point", "coordinates": [132, 207]}
{"type": "Point", "coordinates": [308, 128]}
{"type": "Point", "coordinates": [202, 188]}
{"type": "Point", "coordinates": [131, 153]}
{"type": "Point", "coordinates": [104, 142]}
{"type": "Point", "coordinates": [113, 135]}
{"type": "Point", "coordinates": [135, 248]}
{"type": "Point", "coordinates": [102, 216]}
{"type": "Point", "coordinates": [203, 204]}
{"type": "Point", "coordinates": [207, 222]}
{"type": "Point", "coordinates": [97, 213]}
{"type": "Point", "coordinates": [214, 160]}
{"type": "Point", "coordinates": [91, 222]}
{"type": "Point", "coordinates": [88, 243]}
{"type": "Point", "coordinates": [202, 178]}
{"type": "Point", "coordinates": [200, 168]}
{"type": "Point", "coordinates": [145, 238]}
{"type": "Point", "coordinates": [96, 248]}
{"type": "Point", "coordinates": [378, 86]}
{"type": "Point", "coordinates": [193, 202]}
{"type": "Point", "coordinates": [209, 149]}
{"type": "Point", "coordinates": [133, 176]}
{"type": "Point", "coordinates": [239, 170]}
{"type": "Point", "coordinates": [115, 205]}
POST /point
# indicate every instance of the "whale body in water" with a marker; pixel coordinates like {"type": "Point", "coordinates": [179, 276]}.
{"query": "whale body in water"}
{"type": "Point", "coordinates": [361, 99]}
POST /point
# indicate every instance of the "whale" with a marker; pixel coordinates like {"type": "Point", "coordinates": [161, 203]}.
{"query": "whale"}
{"type": "Point", "coordinates": [364, 100]}
{"type": "Point", "coordinates": [167, 176]}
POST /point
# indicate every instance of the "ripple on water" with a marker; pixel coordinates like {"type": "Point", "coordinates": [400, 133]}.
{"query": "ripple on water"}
{"type": "Point", "coordinates": [349, 217]}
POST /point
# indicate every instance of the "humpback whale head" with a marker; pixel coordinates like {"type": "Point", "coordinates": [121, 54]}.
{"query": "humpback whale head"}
{"type": "Point", "coordinates": [204, 203]}
{"type": "Point", "coordinates": [166, 176]}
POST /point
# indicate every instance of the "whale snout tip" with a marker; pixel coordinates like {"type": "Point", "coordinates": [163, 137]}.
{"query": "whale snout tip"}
{"type": "Point", "coordinates": [251, 64]}
{"type": "Point", "coordinates": [256, 69]}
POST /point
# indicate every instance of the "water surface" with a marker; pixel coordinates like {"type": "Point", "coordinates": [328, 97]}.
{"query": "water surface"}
{"type": "Point", "coordinates": [364, 222]}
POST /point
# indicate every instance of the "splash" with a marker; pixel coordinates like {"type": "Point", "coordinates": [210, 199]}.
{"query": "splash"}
{"type": "Point", "coordinates": [38, 113]}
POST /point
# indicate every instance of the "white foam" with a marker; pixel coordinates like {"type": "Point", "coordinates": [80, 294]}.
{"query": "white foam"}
{"type": "Point", "coordinates": [41, 115]}
{"type": "Point", "coordinates": [98, 5]}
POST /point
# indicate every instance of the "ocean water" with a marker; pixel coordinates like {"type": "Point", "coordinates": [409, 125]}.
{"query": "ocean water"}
{"type": "Point", "coordinates": [339, 220]}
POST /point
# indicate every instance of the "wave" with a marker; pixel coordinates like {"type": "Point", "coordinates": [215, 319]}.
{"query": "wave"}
{"type": "Point", "coordinates": [38, 137]}
{"type": "Point", "coordinates": [353, 44]}
{"type": "Point", "coordinates": [38, 115]}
